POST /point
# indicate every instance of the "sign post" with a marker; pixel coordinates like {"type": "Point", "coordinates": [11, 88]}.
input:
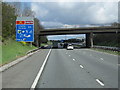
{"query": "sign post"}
{"type": "Point", "coordinates": [25, 29]}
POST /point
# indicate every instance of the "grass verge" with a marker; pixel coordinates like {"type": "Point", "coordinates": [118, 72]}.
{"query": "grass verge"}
{"type": "Point", "coordinates": [12, 50]}
{"type": "Point", "coordinates": [107, 51]}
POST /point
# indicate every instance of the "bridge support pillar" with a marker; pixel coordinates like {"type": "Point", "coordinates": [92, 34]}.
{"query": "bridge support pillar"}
{"type": "Point", "coordinates": [89, 40]}
{"type": "Point", "coordinates": [38, 41]}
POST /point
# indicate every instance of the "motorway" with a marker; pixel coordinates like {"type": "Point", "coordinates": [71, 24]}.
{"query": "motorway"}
{"type": "Point", "coordinates": [78, 68]}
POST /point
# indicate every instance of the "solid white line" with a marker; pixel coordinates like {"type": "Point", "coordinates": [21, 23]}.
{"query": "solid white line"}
{"type": "Point", "coordinates": [40, 71]}
{"type": "Point", "coordinates": [101, 83]}
{"type": "Point", "coordinates": [81, 66]}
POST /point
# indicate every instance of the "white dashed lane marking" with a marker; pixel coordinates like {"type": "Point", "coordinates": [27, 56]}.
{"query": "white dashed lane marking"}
{"type": "Point", "coordinates": [69, 55]}
{"type": "Point", "coordinates": [73, 59]}
{"type": "Point", "coordinates": [100, 82]}
{"type": "Point", "coordinates": [81, 66]}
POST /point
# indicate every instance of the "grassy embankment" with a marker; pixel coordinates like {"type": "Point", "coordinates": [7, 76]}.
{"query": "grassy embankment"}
{"type": "Point", "coordinates": [12, 50]}
{"type": "Point", "coordinates": [107, 51]}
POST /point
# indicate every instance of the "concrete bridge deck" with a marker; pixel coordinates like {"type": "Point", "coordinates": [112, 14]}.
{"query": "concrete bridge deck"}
{"type": "Point", "coordinates": [82, 30]}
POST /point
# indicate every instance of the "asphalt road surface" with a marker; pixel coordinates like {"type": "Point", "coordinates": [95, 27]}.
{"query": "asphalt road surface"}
{"type": "Point", "coordinates": [80, 68]}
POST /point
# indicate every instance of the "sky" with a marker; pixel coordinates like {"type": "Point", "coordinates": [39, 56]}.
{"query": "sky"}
{"type": "Point", "coordinates": [60, 13]}
{"type": "Point", "coordinates": [72, 12]}
{"type": "Point", "coordinates": [65, 37]}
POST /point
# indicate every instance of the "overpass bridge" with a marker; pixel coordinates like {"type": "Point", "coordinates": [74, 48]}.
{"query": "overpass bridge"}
{"type": "Point", "coordinates": [89, 31]}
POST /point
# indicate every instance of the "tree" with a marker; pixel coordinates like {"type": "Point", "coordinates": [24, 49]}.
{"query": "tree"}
{"type": "Point", "coordinates": [37, 28]}
{"type": "Point", "coordinates": [106, 39]}
{"type": "Point", "coordinates": [8, 21]}
{"type": "Point", "coordinates": [9, 15]}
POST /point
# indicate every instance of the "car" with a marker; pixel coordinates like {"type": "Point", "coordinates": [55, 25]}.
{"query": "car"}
{"type": "Point", "coordinates": [42, 47]}
{"type": "Point", "coordinates": [70, 47]}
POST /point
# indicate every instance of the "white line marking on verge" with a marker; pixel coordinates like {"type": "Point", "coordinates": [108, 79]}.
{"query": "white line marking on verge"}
{"type": "Point", "coordinates": [40, 71]}
{"type": "Point", "coordinates": [81, 66]}
{"type": "Point", "coordinates": [73, 59]}
{"type": "Point", "coordinates": [100, 82]}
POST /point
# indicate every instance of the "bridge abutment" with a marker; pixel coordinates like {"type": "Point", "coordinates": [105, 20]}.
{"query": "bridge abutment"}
{"type": "Point", "coordinates": [39, 41]}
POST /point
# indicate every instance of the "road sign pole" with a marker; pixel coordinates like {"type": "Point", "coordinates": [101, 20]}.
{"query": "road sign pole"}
{"type": "Point", "coordinates": [31, 44]}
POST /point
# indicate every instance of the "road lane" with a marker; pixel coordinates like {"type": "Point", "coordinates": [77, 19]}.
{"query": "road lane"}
{"type": "Point", "coordinates": [62, 72]}
{"type": "Point", "coordinates": [23, 74]}
{"type": "Point", "coordinates": [105, 56]}
{"type": "Point", "coordinates": [79, 68]}
{"type": "Point", "coordinates": [106, 70]}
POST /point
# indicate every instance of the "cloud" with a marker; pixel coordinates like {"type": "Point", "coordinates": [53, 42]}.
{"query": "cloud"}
{"type": "Point", "coordinates": [77, 13]}
{"type": "Point", "coordinates": [40, 12]}
{"type": "Point", "coordinates": [103, 13]}
{"type": "Point", "coordinates": [51, 23]}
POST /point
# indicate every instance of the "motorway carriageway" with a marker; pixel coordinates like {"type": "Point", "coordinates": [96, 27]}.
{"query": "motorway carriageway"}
{"type": "Point", "coordinates": [78, 68]}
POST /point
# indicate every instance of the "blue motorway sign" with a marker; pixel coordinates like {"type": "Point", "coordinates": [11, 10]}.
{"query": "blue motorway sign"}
{"type": "Point", "coordinates": [24, 31]}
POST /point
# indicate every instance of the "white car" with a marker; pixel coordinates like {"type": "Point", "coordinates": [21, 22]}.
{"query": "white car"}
{"type": "Point", "coordinates": [70, 47]}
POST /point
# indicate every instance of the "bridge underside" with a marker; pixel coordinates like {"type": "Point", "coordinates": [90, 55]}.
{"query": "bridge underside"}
{"type": "Point", "coordinates": [89, 31]}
